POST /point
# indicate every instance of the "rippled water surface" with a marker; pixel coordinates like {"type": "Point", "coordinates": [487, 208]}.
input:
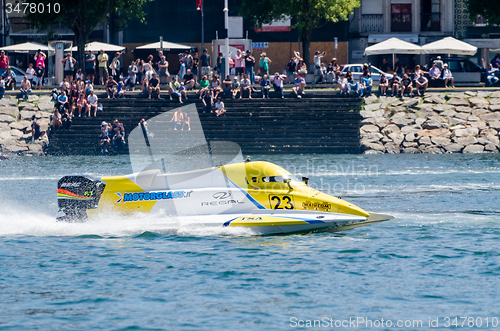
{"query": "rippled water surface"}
{"type": "Point", "coordinates": [438, 258]}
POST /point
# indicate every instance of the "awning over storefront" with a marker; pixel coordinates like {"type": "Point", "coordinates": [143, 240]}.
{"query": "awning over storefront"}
{"type": "Point", "coordinates": [449, 45]}
{"type": "Point", "coordinates": [96, 46]}
{"type": "Point", "coordinates": [377, 38]}
{"type": "Point", "coordinates": [25, 48]}
{"type": "Point", "coordinates": [166, 46]}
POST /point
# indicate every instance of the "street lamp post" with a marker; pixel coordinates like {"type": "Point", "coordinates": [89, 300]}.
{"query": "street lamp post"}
{"type": "Point", "coordinates": [226, 51]}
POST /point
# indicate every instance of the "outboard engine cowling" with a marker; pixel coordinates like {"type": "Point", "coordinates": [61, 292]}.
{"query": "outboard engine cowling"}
{"type": "Point", "coordinates": [76, 194]}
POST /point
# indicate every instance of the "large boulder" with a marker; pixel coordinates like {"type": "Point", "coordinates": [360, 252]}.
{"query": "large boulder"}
{"type": "Point", "coordinates": [463, 109]}
{"type": "Point", "coordinates": [7, 118]}
{"type": "Point", "coordinates": [391, 148]}
{"type": "Point", "coordinates": [454, 148]}
{"type": "Point", "coordinates": [21, 125]}
{"type": "Point", "coordinates": [36, 149]}
{"type": "Point", "coordinates": [401, 119]}
{"type": "Point", "coordinates": [369, 128]}
{"type": "Point", "coordinates": [495, 107]}
{"type": "Point", "coordinates": [490, 117]}
{"type": "Point", "coordinates": [458, 102]}
{"type": "Point", "coordinates": [488, 132]}
{"type": "Point", "coordinates": [435, 133]}
{"type": "Point", "coordinates": [8, 102]}
{"type": "Point", "coordinates": [14, 148]}
{"type": "Point", "coordinates": [371, 99]}
{"type": "Point", "coordinates": [377, 146]}
{"type": "Point", "coordinates": [46, 106]}
{"type": "Point", "coordinates": [426, 140]}
{"type": "Point", "coordinates": [494, 101]}
{"type": "Point", "coordinates": [491, 148]}
{"type": "Point", "coordinates": [369, 113]}
{"type": "Point", "coordinates": [372, 136]}
{"type": "Point", "coordinates": [390, 129]}
{"type": "Point", "coordinates": [448, 112]}
{"type": "Point", "coordinates": [411, 137]}
{"type": "Point", "coordinates": [479, 102]}
{"type": "Point", "coordinates": [473, 149]}
{"type": "Point", "coordinates": [434, 123]}
{"type": "Point", "coordinates": [466, 132]}
{"type": "Point", "coordinates": [432, 150]}
{"type": "Point", "coordinates": [480, 125]}
{"type": "Point", "coordinates": [495, 94]}
{"type": "Point", "coordinates": [7, 110]}
{"type": "Point", "coordinates": [479, 111]}
{"type": "Point", "coordinates": [411, 150]}
{"type": "Point", "coordinates": [27, 114]}
{"type": "Point", "coordinates": [411, 128]}
{"type": "Point", "coordinates": [483, 94]}
{"type": "Point", "coordinates": [494, 125]}
{"type": "Point", "coordinates": [16, 133]}
{"type": "Point", "coordinates": [412, 102]}
{"type": "Point", "coordinates": [465, 140]}
{"type": "Point", "coordinates": [435, 99]}
{"type": "Point", "coordinates": [397, 137]}
{"type": "Point", "coordinates": [456, 121]}
{"type": "Point", "coordinates": [440, 141]}
{"type": "Point", "coordinates": [407, 144]}
{"type": "Point", "coordinates": [27, 106]}
{"type": "Point", "coordinates": [473, 118]}
{"type": "Point", "coordinates": [485, 140]}
{"type": "Point", "coordinates": [373, 106]}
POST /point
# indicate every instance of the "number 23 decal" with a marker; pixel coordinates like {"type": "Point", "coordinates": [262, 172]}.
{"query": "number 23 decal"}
{"type": "Point", "coordinates": [281, 202]}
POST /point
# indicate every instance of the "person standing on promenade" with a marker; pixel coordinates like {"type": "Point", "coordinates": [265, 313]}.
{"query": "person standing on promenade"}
{"type": "Point", "coordinates": [103, 66]}
{"type": "Point", "coordinates": [90, 66]}
{"type": "Point", "coordinates": [317, 63]}
{"type": "Point", "coordinates": [4, 62]}
{"type": "Point", "coordinates": [238, 64]}
{"type": "Point", "coordinates": [249, 64]}
{"type": "Point", "coordinates": [205, 63]}
{"type": "Point", "coordinates": [264, 64]}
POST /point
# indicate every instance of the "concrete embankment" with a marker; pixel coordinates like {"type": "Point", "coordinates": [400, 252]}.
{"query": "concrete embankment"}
{"type": "Point", "coordinates": [454, 122]}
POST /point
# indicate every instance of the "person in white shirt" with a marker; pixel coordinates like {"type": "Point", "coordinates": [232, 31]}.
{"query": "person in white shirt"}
{"type": "Point", "coordinates": [219, 107]}
{"type": "Point", "coordinates": [238, 63]}
{"type": "Point", "coordinates": [30, 72]}
{"type": "Point", "coordinates": [343, 84]}
{"type": "Point", "coordinates": [92, 104]}
{"type": "Point", "coordinates": [245, 85]}
{"type": "Point", "coordinates": [447, 76]}
{"type": "Point", "coordinates": [317, 62]}
{"type": "Point", "coordinates": [278, 81]}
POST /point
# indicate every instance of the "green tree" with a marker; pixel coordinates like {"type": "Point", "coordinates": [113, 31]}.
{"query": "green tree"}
{"type": "Point", "coordinates": [82, 17]}
{"type": "Point", "coordinates": [307, 14]}
{"type": "Point", "coordinates": [490, 10]}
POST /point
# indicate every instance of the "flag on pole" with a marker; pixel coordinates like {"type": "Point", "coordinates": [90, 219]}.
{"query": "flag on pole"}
{"type": "Point", "coordinates": [198, 4]}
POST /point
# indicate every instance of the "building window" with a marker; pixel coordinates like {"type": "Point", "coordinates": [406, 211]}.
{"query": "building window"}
{"type": "Point", "coordinates": [401, 17]}
{"type": "Point", "coordinates": [431, 15]}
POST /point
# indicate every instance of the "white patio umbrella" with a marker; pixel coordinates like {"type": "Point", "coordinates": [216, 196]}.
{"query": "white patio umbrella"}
{"type": "Point", "coordinates": [393, 46]}
{"type": "Point", "coordinates": [166, 46]}
{"type": "Point", "coordinates": [25, 48]}
{"type": "Point", "coordinates": [96, 46]}
{"type": "Point", "coordinates": [449, 45]}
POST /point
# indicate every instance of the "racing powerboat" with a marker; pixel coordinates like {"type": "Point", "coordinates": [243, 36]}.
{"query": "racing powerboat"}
{"type": "Point", "coordinates": [184, 181]}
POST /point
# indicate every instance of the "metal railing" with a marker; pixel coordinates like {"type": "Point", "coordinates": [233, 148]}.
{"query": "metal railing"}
{"type": "Point", "coordinates": [372, 23]}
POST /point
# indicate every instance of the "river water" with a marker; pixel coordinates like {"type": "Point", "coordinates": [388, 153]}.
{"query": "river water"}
{"type": "Point", "coordinates": [437, 261]}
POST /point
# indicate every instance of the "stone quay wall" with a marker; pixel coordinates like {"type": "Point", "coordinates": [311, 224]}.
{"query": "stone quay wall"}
{"type": "Point", "coordinates": [437, 123]}
{"type": "Point", "coordinates": [15, 124]}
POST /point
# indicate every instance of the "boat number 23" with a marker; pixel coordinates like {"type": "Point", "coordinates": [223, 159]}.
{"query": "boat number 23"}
{"type": "Point", "coordinates": [281, 202]}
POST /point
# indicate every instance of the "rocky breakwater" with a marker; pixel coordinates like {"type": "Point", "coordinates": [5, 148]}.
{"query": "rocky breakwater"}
{"type": "Point", "coordinates": [436, 123]}
{"type": "Point", "coordinates": [15, 124]}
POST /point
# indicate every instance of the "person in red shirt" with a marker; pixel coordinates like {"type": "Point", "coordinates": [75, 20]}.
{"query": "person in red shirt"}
{"type": "Point", "coordinates": [4, 62]}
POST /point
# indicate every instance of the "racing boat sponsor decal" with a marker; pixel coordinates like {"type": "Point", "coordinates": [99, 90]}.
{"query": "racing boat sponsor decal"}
{"type": "Point", "coordinates": [324, 206]}
{"type": "Point", "coordinates": [152, 196]}
{"type": "Point", "coordinates": [70, 195]}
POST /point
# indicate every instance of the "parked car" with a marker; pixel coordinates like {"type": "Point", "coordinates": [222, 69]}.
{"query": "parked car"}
{"type": "Point", "coordinates": [357, 71]}
{"type": "Point", "coordinates": [463, 70]}
{"type": "Point", "coordinates": [19, 74]}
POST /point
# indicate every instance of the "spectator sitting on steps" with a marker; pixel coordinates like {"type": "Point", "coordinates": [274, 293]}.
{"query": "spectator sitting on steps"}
{"type": "Point", "coordinates": [110, 87]}
{"type": "Point", "coordinates": [492, 78]}
{"type": "Point", "coordinates": [66, 120]}
{"type": "Point", "coordinates": [81, 103]}
{"type": "Point", "coordinates": [2, 88]}
{"type": "Point", "coordinates": [434, 72]}
{"type": "Point", "coordinates": [120, 90]}
{"type": "Point", "coordinates": [92, 104]}
{"type": "Point", "coordinates": [62, 102]}
{"type": "Point", "coordinates": [219, 107]}
{"type": "Point", "coordinates": [215, 86]}
{"type": "Point", "coordinates": [278, 82]}
{"type": "Point", "coordinates": [103, 139]}
{"type": "Point", "coordinates": [25, 88]}
{"type": "Point", "coordinates": [204, 84]}
{"type": "Point", "coordinates": [266, 85]}
{"type": "Point", "coordinates": [235, 87]}
{"type": "Point", "coordinates": [88, 87]}
{"type": "Point", "coordinates": [406, 85]}
{"type": "Point", "coordinates": [300, 84]}
{"type": "Point", "coordinates": [145, 86]}
{"type": "Point", "coordinates": [447, 76]}
{"type": "Point", "coordinates": [10, 78]}
{"type": "Point", "coordinates": [36, 132]}
{"type": "Point", "coordinates": [394, 83]}
{"type": "Point", "coordinates": [56, 120]}
{"type": "Point", "coordinates": [382, 85]}
{"type": "Point", "coordinates": [366, 84]}
{"type": "Point", "coordinates": [173, 89]}
{"type": "Point", "coordinates": [226, 86]}
{"type": "Point", "coordinates": [188, 80]}
{"type": "Point", "coordinates": [421, 82]}
{"type": "Point", "coordinates": [343, 84]}
{"type": "Point", "coordinates": [245, 85]}
{"type": "Point", "coordinates": [207, 101]}
{"type": "Point", "coordinates": [154, 86]}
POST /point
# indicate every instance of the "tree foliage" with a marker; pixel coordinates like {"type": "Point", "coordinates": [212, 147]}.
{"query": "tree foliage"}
{"type": "Point", "coordinates": [307, 14]}
{"type": "Point", "coordinates": [490, 10]}
{"type": "Point", "coordinates": [83, 16]}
